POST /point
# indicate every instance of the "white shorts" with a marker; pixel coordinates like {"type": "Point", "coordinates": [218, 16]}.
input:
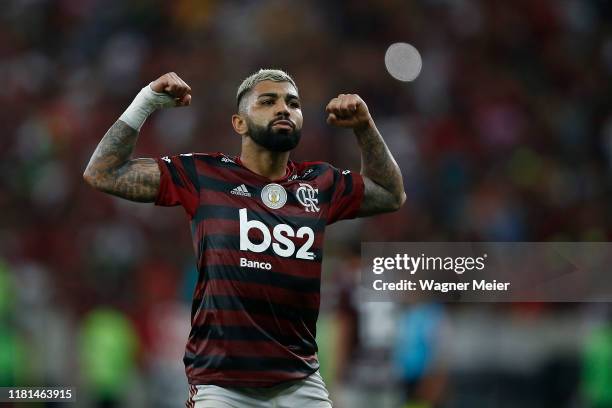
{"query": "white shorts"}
{"type": "Point", "coordinates": [309, 392]}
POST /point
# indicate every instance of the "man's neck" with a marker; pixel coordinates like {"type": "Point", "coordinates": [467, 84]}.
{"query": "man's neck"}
{"type": "Point", "coordinates": [271, 165]}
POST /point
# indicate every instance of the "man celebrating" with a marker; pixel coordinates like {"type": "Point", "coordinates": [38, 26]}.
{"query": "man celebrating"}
{"type": "Point", "coordinates": [257, 222]}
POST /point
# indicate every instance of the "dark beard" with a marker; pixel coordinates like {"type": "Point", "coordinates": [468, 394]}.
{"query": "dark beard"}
{"type": "Point", "coordinates": [274, 140]}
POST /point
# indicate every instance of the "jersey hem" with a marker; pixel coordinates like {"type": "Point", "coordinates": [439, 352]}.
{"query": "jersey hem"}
{"type": "Point", "coordinates": [250, 384]}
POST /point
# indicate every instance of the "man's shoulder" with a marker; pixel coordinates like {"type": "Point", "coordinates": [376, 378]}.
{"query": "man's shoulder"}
{"type": "Point", "coordinates": [212, 158]}
{"type": "Point", "coordinates": [309, 170]}
{"type": "Point", "coordinates": [307, 164]}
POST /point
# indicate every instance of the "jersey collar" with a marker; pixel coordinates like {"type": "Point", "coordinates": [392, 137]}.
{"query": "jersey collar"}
{"type": "Point", "coordinates": [288, 171]}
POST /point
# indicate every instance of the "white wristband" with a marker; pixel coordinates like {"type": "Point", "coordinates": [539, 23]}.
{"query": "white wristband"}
{"type": "Point", "coordinates": [145, 103]}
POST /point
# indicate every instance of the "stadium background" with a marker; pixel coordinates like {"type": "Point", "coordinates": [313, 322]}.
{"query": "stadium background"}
{"type": "Point", "coordinates": [505, 136]}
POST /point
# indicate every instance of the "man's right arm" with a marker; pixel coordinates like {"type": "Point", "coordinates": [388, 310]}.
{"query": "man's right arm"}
{"type": "Point", "coordinates": [111, 169]}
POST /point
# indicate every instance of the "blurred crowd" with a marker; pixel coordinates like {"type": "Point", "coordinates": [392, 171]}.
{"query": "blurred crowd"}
{"type": "Point", "coordinates": [505, 136]}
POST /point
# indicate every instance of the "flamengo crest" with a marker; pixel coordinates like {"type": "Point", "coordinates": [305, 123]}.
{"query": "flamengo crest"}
{"type": "Point", "coordinates": [307, 196]}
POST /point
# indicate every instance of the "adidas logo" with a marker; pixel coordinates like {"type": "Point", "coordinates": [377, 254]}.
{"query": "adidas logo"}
{"type": "Point", "coordinates": [241, 190]}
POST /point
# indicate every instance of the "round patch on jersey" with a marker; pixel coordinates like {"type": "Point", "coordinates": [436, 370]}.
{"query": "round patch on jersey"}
{"type": "Point", "coordinates": [274, 196]}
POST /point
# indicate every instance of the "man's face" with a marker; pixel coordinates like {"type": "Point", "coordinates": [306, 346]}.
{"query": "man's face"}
{"type": "Point", "coordinates": [274, 116]}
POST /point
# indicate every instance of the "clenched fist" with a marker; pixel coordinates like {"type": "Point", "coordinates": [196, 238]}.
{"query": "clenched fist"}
{"type": "Point", "coordinates": [349, 111]}
{"type": "Point", "coordinates": [174, 86]}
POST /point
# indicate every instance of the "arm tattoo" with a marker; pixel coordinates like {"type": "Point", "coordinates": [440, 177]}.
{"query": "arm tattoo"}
{"type": "Point", "coordinates": [376, 199]}
{"type": "Point", "coordinates": [384, 187]}
{"type": "Point", "coordinates": [110, 169]}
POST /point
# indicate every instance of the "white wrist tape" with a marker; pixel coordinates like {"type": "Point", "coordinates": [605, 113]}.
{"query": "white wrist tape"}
{"type": "Point", "coordinates": [145, 103]}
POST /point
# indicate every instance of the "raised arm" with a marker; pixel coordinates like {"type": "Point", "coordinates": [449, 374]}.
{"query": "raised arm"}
{"type": "Point", "coordinates": [111, 169]}
{"type": "Point", "coordinates": [384, 187]}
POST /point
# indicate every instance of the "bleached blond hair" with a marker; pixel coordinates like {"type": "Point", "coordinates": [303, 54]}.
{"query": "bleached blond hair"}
{"type": "Point", "coordinates": [249, 83]}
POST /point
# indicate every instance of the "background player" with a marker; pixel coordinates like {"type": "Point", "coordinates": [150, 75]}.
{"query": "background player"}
{"type": "Point", "coordinates": [257, 223]}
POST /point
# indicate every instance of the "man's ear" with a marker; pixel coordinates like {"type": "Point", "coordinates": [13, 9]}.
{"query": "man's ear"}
{"type": "Point", "coordinates": [239, 124]}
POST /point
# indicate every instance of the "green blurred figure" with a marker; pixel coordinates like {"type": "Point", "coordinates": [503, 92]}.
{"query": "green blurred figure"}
{"type": "Point", "coordinates": [108, 349]}
{"type": "Point", "coordinates": [12, 353]}
{"type": "Point", "coordinates": [597, 379]}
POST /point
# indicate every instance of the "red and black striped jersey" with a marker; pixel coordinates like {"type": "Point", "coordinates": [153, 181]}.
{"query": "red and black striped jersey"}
{"type": "Point", "coordinates": [259, 247]}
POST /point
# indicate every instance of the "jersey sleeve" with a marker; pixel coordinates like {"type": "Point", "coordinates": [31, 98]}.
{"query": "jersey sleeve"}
{"type": "Point", "coordinates": [178, 183]}
{"type": "Point", "coordinates": [347, 195]}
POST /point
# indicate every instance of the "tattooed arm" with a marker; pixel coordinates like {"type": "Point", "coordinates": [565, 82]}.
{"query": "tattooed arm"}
{"type": "Point", "coordinates": [382, 179]}
{"type": "Point", "coordinates": [110, 169]}
{"type": "Point", "coordinates": [384, 188]}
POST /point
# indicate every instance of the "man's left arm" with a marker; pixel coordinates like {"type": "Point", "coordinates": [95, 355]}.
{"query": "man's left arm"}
{"type": "Point", "coordinates": [383, 184]}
